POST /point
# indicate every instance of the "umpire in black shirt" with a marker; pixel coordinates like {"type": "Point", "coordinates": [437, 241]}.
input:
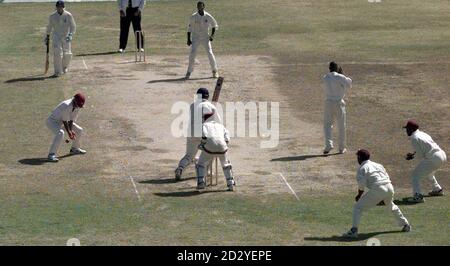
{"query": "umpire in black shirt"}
{"type": "Point", "coordinates": [130, 12]}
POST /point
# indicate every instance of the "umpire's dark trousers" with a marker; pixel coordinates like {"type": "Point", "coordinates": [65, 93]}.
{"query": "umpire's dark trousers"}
{"type": "Point", "coordinates": [125, 25]}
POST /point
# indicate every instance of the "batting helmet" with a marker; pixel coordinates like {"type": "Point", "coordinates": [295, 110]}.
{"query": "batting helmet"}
{"type": "Point", "coordinates": [204, 92]}
{"type": "Point", "coordinates": [79, 99]}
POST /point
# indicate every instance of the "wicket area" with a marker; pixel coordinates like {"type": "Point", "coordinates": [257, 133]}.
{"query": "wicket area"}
{"type": "Point", "coordinates": [212, 173]}
{"type": "Point", "coordinates": [139, 54]}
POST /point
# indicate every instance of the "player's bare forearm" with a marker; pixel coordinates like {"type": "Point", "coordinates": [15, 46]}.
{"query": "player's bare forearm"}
{"type": "Point", "coordinates": [189, 42]}
{"type": "Point", "coordinates": [360, 192]}
{"type": "Point", "coordinates": [66, 127]}
{"type": "Point", "coordinates": [70, 123]}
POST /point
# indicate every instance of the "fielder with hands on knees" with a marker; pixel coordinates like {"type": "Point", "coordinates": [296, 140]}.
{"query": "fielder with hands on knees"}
{"type": "Point", "coordinates": [130, 13]}
{"type": "Point", "coordinates": [63, 27]}
{"type": "Point", "coordinates": [373, 176]}
{"type": "Point", "coordinates": [65, 116]}
{"type": "Point", "coordinates": [431, 157]}
{"type": "Point", "coordinates": [198, 34]}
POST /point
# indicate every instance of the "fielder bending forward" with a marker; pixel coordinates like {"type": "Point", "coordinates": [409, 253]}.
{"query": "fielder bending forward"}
{"type": "Point", "coordinates": [214, 143]}
{"type": "Point", "coordinates": [432, 158]}
{"type": "Point", "coordinates": [373, 176]}
{"type": "Point", "coordinates": [198, 34]}
{"type": "Point", "coordinates": [63, 26]}
{"type": "Point", "coordinates": [198, 108]}
{"type": "Point", "coordinates": [65, 114]}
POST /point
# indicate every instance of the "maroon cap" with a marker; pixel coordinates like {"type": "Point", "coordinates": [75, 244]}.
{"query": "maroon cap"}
{"type": "Point", "coordinates": [364, 154]}
{"type": "Point", "coordinates": [79, 99]}
{"type": "Point", "coordinates": [411, 124]}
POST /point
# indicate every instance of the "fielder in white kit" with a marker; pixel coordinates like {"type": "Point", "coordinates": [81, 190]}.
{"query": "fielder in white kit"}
{"type": "Point", "coordinates": [373, 176]}
{"type": "Point", "coordinates": [198, 108]}
{"type": "Point", "coordinates": [63, 27]}
{"type": "Point", "coordinates": [198, 34]}
{"type": "Point", "coordinates": [335, 85]}
{"type": "Point", "coordinates": [64, 116]}
{"type": "Point", "coordinates": [214, 143]}
{"type": "Point", "coordinates": [431, 157]}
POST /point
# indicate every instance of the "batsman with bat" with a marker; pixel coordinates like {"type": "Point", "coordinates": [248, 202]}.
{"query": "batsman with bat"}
{"type": "Point", "coordinates": [64, 116]}
{"type": "Point", "coordinates": [200, 107]}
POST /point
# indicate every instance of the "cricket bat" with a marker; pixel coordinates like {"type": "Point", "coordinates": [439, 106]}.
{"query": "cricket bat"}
{"type": "Point", "coordinates": [47, 63]}
{"type": "Point", "coordinates": [216, 94]}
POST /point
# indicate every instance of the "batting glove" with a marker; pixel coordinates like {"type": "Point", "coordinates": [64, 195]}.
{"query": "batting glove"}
{"type": "Point", "coordinates": [69, 37]}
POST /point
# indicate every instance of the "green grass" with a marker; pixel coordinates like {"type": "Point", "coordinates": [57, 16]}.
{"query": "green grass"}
{"type": "Point", "coordinates": [50, 205]}
{"type": "Point", "coordinates": [267, 220]}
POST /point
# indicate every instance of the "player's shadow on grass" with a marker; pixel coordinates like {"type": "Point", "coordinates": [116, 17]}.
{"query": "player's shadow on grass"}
{"type": "Point", "coordinates": [30, 78]}
{"type": "Point", "coordinates": [41, 161]}
{"type": "Point", "coordinates": [301, 157]}
{"type": "Point", "coordinates": [361, 236]}
{"type": "Point", "coordinates": [175, 80]}
{"type": "Point", "coordinates": [189, 193]}
{"type": "Point", "coordinates": [100, 53]}
{"type": "Point", "coordinates": [165, 181]}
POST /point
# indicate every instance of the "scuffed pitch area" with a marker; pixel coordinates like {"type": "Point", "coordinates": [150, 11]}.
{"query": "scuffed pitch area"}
{"type": "Point", "coordinates": [129, 123]}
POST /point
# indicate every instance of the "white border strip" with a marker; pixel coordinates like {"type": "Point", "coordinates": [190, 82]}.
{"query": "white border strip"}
{"type": "Point", "coordinates": [135, 188]}
{"type": "Point", "coordinates": [289, 186]}
{"type": "Point", "coordinates": [84, 63]}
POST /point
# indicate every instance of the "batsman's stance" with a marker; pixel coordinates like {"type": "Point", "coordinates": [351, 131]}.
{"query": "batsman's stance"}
{"type": "Point", "coordinates": [431, 157]}
{"type": "Point", "coordinates": [198, 34]}
{"type": "Point", "coordinates": [336, 84]}
{"type": "Point", "coordinates": [214, 143]}
{"type": "Point", "coordinates": [65, 114]}
{"type": "Point", "coordinates": [373, 176]}
{"type": "Point", "coordinates": [198, 108]}
{"type": "Point", "coordinates": [63, 26]}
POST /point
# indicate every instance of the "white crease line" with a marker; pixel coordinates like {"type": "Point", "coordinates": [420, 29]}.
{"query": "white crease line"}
{"type": "Point", "coordinates": [84, 63]}
{"type": "Point", "coordinates": [289, 186]}
{"type": "Point", "coordinates": [135, 188]}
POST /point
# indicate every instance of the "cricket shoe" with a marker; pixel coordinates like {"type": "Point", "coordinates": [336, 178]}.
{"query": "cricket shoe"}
{"type": "Point", "coordinates": [418, 198]}
{"type": "Point", "coordinates": [436, 193]}
{"type": "Point", "coordinates": [352, 233]}
{"type": "Point", "coordinates": [188, 75]}
{"type": "Point", "coordinates": [201, 185]}
{"type": "Point", "coordinates": [121, 51]}
{"type": "Point", "coordinates": [75, 151]}
{"type": "Point", "coordinates": [65, 70]}
{"type": "Point", "coordinates": [406, 228]}
{"type": "Point", "coordinates": [344, 150]}
{"type": "Point", "coordinates": [178, 173]}
{"type": "Point", "coordinates": [52, 158]}
{"type": "Point", "coordinates": [327, 150]}
{"type": "Point", "coordinates": [215, 74]}
{"type": "Point", "coordinates": [142, 49]}
{"type": "Point", "coordinates": [231, 184]}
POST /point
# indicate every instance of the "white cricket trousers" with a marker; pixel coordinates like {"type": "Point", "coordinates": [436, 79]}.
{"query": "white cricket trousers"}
{"type": "Point", "coordinates": [191, 150]}
{"type": "Point", "coordinates": [194, 47]}
{"type": "Point", "coordinates": [206, 158]}
{"type": "Point", "coordinates": [56, 128]}
{"type": "Point", "coordinates": [335, 110]}
{"type": "Point", "coordinates": [62, 54]}
{"type": "Point", "coordinates": [372, 198]}
{"type": "Point", "coordinates": [426, 169]}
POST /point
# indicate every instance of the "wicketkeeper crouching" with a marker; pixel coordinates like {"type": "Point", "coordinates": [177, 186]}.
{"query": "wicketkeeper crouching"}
{"type": "Point", "coordinates": [214, 143]}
